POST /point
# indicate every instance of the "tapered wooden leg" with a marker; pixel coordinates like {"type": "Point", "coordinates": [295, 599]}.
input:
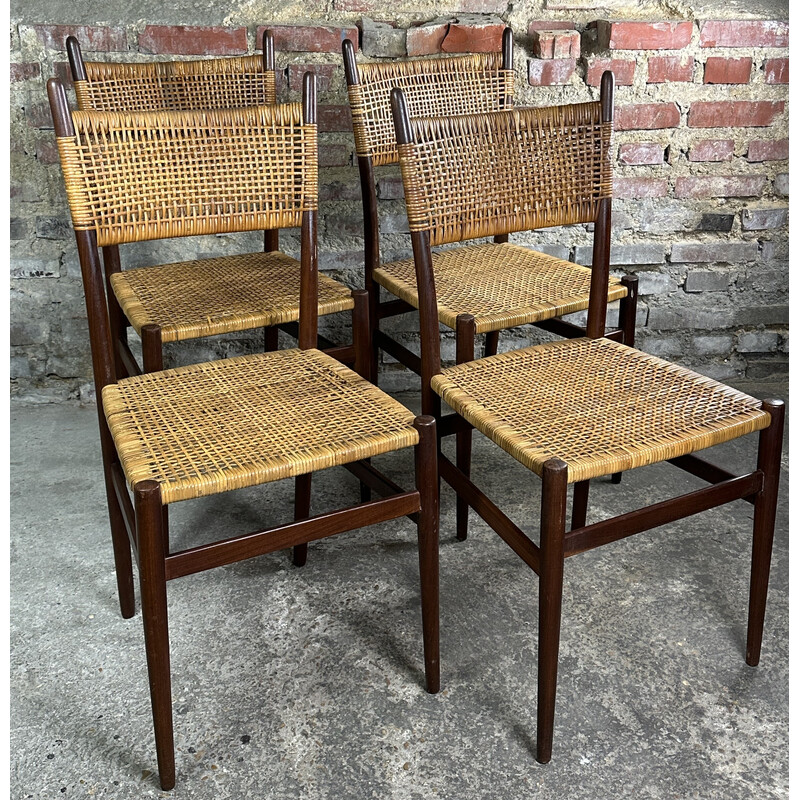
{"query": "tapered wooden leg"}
{"type": "Point", "coordinates": [769, 462]}
{"type": "Point", "coordinates": [302, 510]}
{"type": "Point", "coordinates": [580, 503]}
{"type": "Point", "coordinates": [152, 577]}
{"type": "Point", "coordinates": [373, 289]}
{"type": "Point", "coordinates": [551, 579]}
{"type": "Point", "coordinates": [465, 351]}
{"type": "Point", "coordinates": [270, 338]}
{"type": "Point", "coordinates": [491, 343]}
{"type": "Point", "coordinates": [427, 483]}
{"type": "Point", "coordinates": [627, 323]}
{"type": "Point", "coordinates": [152, 351]}
{"type": "Point", "coordinates": [363, 347]}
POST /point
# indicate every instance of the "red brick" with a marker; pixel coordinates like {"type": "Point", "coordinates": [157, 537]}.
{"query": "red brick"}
{"type": "Point", "coordinates": [666, 69]}
{"type": "Point", "coordinates": [768, 150]}
{"type": "Point", "coordinates": [720, 186]}
{"type": "Point", "coordinates": [26, 71]}
{"type": "Point", "coordinates": [426, 40]}
{"type": "Point", "coordinates": [473, 38]}
{"type": "Point", "coordinates": [623, 69]}
{"type": "Point", "coordinates": [324, 73]}
{"type": "Point", "coordinates": [556, 44]}
{"type": "Point", "coordinates": [334, 118]}
{"type": "Point", "coordinates": [193, 40]}
{"type": "Point", "coordinates": [776, 70]}
{"type": "Point", "coordinates": [727, 70]}
{"type": "Point", "coordinates": [549, 25]}
{"type": "Point", "coordinates": [640, 187]}
{"type": "Point", "coordinates": [102, 39]}
{"type": "Point", "coordinates": [744, 33]}
{"type": "Point", "coordinates": [734, 113]}
{"type": "Point", "coordinates": [310, 38]}
{"type": "Point", "coordinates": [641, 153]}
{"type": "Point", "coordinates": [550, 71]}
{"type": "Point", "coordinates": [711, 150]}
{"type": "Point", "coordinates": [647, 116]}
{"type": "Point", "coordinates": [643, 35]}
{"type": "Point", "coordinates": [47, 152]}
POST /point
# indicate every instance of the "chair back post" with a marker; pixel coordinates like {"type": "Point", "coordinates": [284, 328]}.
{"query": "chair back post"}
{"type": "Point", "coordinates": [508, 49]}
{"type": "Point", "coordinates": [309, 278]}
{"type": "Point", "coordinates": [268, 50]}
{"type": "Point", "coordinates": [75, 57]}
{"type": "Point", "coordinates": [601, 251]}
{"type": "Point", "coordinates": [430, 351]}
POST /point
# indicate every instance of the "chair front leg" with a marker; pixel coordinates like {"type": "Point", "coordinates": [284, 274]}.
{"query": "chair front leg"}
{"type": "Point", "coordinates": [769, 462]}
{"type": "Point", "coordinates": [152, 350]}
{"type": "Point", "coordinates": [302, 510]}
{"type": "Point", "coordinates": [465, 351]}
{"type": "Point", "coordinates": [491, 343]}
{"type": "Point", "coordinates": [551, 579]}
{"type": "Point", "coordinates": [427, 482]}
{"type": "Point", "coordinates": [270, 338]}
{"type": "Point", "coordinates": [153, 581]}
{"type": "Point", "coordinates": [580, 503]}
{"type": "Point", "coordinates": [627, 324]}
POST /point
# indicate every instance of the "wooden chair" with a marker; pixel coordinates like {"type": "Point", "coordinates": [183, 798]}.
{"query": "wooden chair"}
{"type": "Point", "coordinates": [574, 409]}
{"type": "Point", "coordinates": [211, 296]}
{"type": "Point", "coordinates": [207, 428]}
{"type": "Point", "coordinates": [501, 285]}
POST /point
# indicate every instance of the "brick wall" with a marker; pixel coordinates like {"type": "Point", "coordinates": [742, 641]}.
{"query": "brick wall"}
{"type": "Point", "coordinates": [701, 170]}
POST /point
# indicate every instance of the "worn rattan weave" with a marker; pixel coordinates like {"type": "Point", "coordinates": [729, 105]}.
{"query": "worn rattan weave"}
{"type": "Point", "coordinates": [596, 404]}
{"type": "Point", "coordinates": [239, 422]}
{"type": "Point", "coordinates": [219, 295]}
{"type": "Point", "coordinates": [501, 285]}
{"type": "Point", "coordinates": [549, 166]}
{"type": "Point", "coordinates": [459, 85]}
{"type": "Point", "coordinates": [176, 85]}
{"type": "Point", "coordinates": [138, 176]}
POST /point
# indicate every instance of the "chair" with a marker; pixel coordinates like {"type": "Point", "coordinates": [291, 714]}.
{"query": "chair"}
{"type": "Point", "coordinates": [207, 428]}
{"type": "Point", "coordinates": [572, 409]}
{"type": "Point", "coordinates": [502, 285]}
{"type": "Point", "coordinates": [210, 296]}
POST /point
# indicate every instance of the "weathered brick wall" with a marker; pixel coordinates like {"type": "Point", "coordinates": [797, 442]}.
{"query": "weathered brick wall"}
{"type": "Point", "coordinates": [701, 172]}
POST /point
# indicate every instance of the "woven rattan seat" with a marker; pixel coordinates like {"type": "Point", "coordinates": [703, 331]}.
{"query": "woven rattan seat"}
{"type": "Point", "coordinates": [237, 422]}
{"type": "Point", "coordinates": [219, 295]}
{"type": "Point", "coordinates": [501, 285]}
{"type": "Point", "coordinates": [597, 405]}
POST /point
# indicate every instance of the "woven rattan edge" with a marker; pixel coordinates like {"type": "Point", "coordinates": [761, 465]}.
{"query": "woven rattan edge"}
{"type": "Point", "coordinates": [501, 434]}
{"type": "Point", "coordinates": [118, 418]}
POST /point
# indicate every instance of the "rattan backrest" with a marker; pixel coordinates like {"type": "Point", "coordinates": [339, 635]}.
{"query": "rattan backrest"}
{"type": "Point", "coordinates": [433, 86]}
{"type": "Point", "coordinates": [487, 174]}
{"type": "Point", "coordinates": [232, 82]}
{"type": "Point", "coordinates": [133, 177]}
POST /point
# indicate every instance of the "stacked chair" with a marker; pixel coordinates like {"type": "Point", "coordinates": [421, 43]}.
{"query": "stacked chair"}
{"type": "Point", "coordinates": [500, 285]}
{"type": "Point", "coordinates": [199, 430]}
{"type": "Point", "coordinates": [573, 409]}
{"type": "Point", "coordinates": [179, 149]}
{"type": "Point", "coordinates": [210, 296]}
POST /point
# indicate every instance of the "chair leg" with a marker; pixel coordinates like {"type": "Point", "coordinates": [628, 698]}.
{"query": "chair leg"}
{"type": "Point", "coordinates": [374, 291]}
{"type": "Point", "coordinates": [551, 579]}
{"type": "Point", "coordinates": [769, 462]}
{"type": "Point", "coordinates": [302, 509]}
{"type": "Point", "coordinates": [152, 350]}
{"type": "Point", "coordinates": [152, 576]}
{"type": "Point", "coordinates": [580, 503]}
{"type": "Point", "coordinates": [491, 343]}
{"type": "Point", "coordinates": [362, 344]}
{"type": "Point", "coordinates": [428, 536]}
{"type": "Point", "coordinates": [465, 351]}
{"type": "Point", "coordinates": [270, 338]}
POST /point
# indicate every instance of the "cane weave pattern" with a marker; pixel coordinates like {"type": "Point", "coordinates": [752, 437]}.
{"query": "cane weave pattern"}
{"type": "Point", "coordinates": [461, 85]}
{"type": "Point", "coordinates": [237, 422]}
{"type": "Point", "coordinates": [501, 285]}
{"type": "Point", "coordinates": [133, 177]}
{"type": "Point", "coordinates": [598, 405]}
{"type": "Point", "coordinates": [482, 175]}
{"type": "Point", "coordinates": [219, 295]}
{"type": "Point", "coordinates": [176, 85]}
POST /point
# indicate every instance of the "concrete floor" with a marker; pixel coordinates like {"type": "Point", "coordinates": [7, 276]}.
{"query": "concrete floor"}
{"type": "Point", "coordinates": [307, 683]}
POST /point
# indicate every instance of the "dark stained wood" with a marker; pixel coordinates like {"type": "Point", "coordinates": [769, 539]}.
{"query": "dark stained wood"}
{"type": "Point", "coordinates": [152, 349]}
{"type": "Point", "coordinates": [627, 309]}
{"type": "Point", "coordinates": [562, 328]}
{"type": "Point", "coordinates": [465, 351]}
{"type": "Point", "coordinates": [271, 338]}
{"type": "Point", "coordinates": [769, 462]}
{"type": "Point", "coordinates": [268, 50]}
{"type": "Point", "coordinates": [374, 480]}
{"type": "Point", "coordinates": [361, 338]}
{"type": "Point", "coordinates": [75, 57]}
{"type": "Point", "coordinates": [551, 578]}
{"type": "Point", "coordinates": [272, 241]}
{"type": "Point", "coordinates": [125, 504]}
{"type": "Point", "coordinates": [398, 351]}
{"type": "Point", "coordinates": [129, 363]}
{"type": "Point", "coordinates": [508, 49]}
{"type": "Point", "coordinates": [391, 308]}
{"type": "Point", "coordinates": [580, 503]}
{"type": "Point", "coordinates": [491, 343]}
{"type": "Point", "coordinates": [705, 470]}
{"type": "Point", "coordinates": [449, 424]}
{"type": "Point", "coordinates": [117, 321]}
{"type": "Point", "coordinates": [598, 291]}
{"type": "Point", "coordinates": [302, 510]}
{"type": "Point", "coordinates": [238, 548]}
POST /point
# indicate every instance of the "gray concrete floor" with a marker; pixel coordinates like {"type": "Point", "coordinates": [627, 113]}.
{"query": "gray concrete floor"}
{"type": "Point", "coordinates": [307, 683]}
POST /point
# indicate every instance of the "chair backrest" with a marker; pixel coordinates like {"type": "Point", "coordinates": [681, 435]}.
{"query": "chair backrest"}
{"type": "Point", "coordinates": [231, 82]}
{"type": "Point", "coordinates": [470, 84]}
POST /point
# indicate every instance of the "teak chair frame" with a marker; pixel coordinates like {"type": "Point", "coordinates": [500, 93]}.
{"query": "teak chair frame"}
{"type": "Point", "coordinates": [465, 332]}
{"type": "Point", "coordinates": [758, 487]}
{"type": "Point", "coordinates": [139, 526]}
{"type": "Point", "coordinates": [101, 94]}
